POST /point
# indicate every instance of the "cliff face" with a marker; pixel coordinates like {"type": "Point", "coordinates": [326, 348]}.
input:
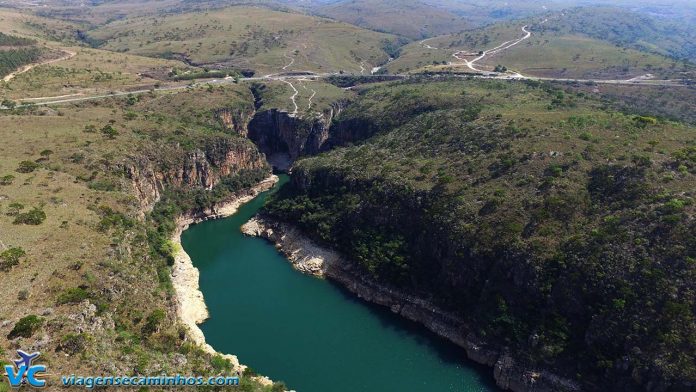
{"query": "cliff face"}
{"type": "Point", "coordinates": [235, 120]}
{"type": "Point", "coordinates": [277, 132]}
{"type": "Point", "coordinates": [204, 167]}
{"type": "Point", "coordinates": [308, 257]}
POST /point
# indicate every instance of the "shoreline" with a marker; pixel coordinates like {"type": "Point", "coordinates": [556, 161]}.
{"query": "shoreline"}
{"type": "Point", "coordinates": [190, 304]}
{"type": "Point", "coordinates": [308, 257]}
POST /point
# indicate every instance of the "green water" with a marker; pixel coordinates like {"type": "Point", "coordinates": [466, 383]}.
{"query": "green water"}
{"type": "Point", "coordinates": [309, 332]}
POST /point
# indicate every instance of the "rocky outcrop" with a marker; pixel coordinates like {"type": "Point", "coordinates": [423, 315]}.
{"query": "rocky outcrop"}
{"type": "Point", "coordinates": [277, 132]}
{"type": "Point", "coordinates": [235, 120]}
{"type": "Point", "coordinates": [202, 168]}
{"type": "Point", "coordinates": [308, 257]}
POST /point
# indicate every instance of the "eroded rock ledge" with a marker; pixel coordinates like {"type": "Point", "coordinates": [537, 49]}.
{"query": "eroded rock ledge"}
{"type": "Point", "coordinates": [308, 257]}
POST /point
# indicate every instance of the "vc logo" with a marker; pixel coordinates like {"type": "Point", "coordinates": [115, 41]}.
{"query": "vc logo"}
{"type": "Point", "coordinates": [24, 372]}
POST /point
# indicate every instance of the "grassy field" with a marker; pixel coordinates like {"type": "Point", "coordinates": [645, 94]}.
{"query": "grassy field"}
{"type": "Point", "coordinates": [248, 37]}
{"type": "Point", "coordinates": [277, 94]}
{"type": "Point", "coordinates": [90, 71]}
{"type": "Point", "coordinates": [45, 29]}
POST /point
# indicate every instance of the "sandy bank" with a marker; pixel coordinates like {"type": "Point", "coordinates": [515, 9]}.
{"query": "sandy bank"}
{"type": "Point", "coordinates": [191, 308]}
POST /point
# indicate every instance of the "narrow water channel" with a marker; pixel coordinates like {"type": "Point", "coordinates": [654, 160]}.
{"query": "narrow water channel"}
{"type": "Point", "coordinates": [308, 332]}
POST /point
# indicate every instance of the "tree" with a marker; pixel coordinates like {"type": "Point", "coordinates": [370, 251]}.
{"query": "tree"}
{"type": "Point", "coordinates": [10, 257]}
{"type": "Point", "coordinates": [7, 180]}
{"type": "Point", "coordinates": [46, 153]}
{"type": "Point", "coordinates": [109, 131]}
{"type": "Point", "coordinates": [8, 104]}
{"type": "Point", "coordinates": [27, 167]}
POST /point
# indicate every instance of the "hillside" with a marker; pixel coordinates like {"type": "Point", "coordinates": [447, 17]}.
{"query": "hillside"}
{"type": "Point", "coordinates": [410, 18]}
{"type": "Point", "coordinates": [628, 29]}
{"type": "Point", "coordinates": [260, 39]}
{"type": "Point", "coordinates": [86, 269]}
{"type": "Point", "coordinates": [546, 53]}
{"type": "Point", "coordinates": [558, 230]}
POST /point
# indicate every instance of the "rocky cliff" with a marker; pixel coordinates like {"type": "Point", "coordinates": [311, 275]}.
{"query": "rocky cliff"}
{"type": "Point", "coordinates": [203, 167]}
{"type": "Point", "coordinates": [234, 119]}
{"type": "Point", "coordinates": [278, 133]}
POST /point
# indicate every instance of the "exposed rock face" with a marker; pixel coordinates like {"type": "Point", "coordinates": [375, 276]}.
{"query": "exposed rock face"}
{"type": "Point", "coordinates": [200, 168]}
{"type": "Point", "coordinates": [278, 132]}
{"type": "Point", "coordinates": [309, 257]}
{"type": "Point", "coordinates": [235, 120]}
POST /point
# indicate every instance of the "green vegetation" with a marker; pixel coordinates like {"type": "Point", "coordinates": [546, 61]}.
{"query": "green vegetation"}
{"type": "Point", "coordinates": [247, 38]}
{"type": "Point", "coordinates": [629, 29]}
{"type": "Point", "coordinates": [565, 235]}
{"type": "Point", "coordinates": [10, 40]}
{"type": "Point", "coordinates": [10, 257]}
{"type": "Point", "coordinates": [412, 19]}
{"type": "Point", "coordinates": [35, 216]}
{"type": "Point", "coordinates": [26, 327]}
{"type": "Point", "coordinates": [72, 295]}
{"type": "Point", "coordinates": [11, 59]}
{"type": "Point", "coordinates": [27, 167]}
{"type": "Point", "coordinates": [7, 179]}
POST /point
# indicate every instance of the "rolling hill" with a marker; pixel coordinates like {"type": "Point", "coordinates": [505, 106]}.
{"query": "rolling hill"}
{"type": "Point", "coordinates": [410, 18]}
{"type": "Point", "coordinates": [548, 52]}
{"type": "Point", "coordinates": [628, 29]}
{"type": "Point", "coordinates": [248, 37]}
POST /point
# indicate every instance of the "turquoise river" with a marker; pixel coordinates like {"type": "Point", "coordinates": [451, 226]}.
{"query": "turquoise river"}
{"type": "Point", "coordinates": [308, 332]}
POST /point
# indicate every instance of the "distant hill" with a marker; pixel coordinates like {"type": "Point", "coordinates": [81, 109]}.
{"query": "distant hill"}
{"type": "Point", "coordinates": [410, 18]}
{"type": "Point", "coordinates": [588, 43]}
{"type": "Point", "coordinates": [629, 29]}
{"type": "Point", "coordinates": [258, 38]}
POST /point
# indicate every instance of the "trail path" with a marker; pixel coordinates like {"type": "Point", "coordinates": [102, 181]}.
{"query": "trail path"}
{"type": "Point", "coordinates": [309, 105]}
{"type": "Point", "coordinates": [423, 43]}
{"type": "Point", "coordinates": [505, 45]}
{"type": "Point", "coordinates": [67, 54]}
{"type": "Point", "coordinates": [292, 61]}
{"type": "Point", "coordinates": [293, 98]}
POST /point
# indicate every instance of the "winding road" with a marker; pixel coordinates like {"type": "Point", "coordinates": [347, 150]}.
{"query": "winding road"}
{"type": "Point", "coordinates": [67, 54]}
{"type": "Point", "coordinates": [287, 78]}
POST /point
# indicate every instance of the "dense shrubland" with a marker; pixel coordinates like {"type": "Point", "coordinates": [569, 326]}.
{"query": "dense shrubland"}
{"type": "Point", "coordinates": [11, 59]}
{"type": "Point", "coordinates": [567, 236]}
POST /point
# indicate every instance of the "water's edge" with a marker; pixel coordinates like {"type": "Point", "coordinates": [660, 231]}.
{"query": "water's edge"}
{"type": "Point", "coordinates": [308, 257]}
{"type": "Point", "coordinates": [190, 304]}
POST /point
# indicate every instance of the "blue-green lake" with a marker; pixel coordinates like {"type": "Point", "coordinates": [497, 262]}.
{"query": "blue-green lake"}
{"type": "Point", "coordinates": [309, 332]}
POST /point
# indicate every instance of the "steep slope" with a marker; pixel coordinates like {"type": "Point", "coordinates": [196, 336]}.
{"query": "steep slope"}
{"type": "Point", "coordinates": [563, 234]}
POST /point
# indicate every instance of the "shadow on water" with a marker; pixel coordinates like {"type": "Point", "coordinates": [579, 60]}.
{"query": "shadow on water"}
{"type": "Point", "coordinates": [446, 351]}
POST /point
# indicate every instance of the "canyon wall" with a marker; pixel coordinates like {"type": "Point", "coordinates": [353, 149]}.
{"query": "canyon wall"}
{"type": "Point", "coordinates": [203, 167]}
{"type": "Point", "coordinates": [309, 257]}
